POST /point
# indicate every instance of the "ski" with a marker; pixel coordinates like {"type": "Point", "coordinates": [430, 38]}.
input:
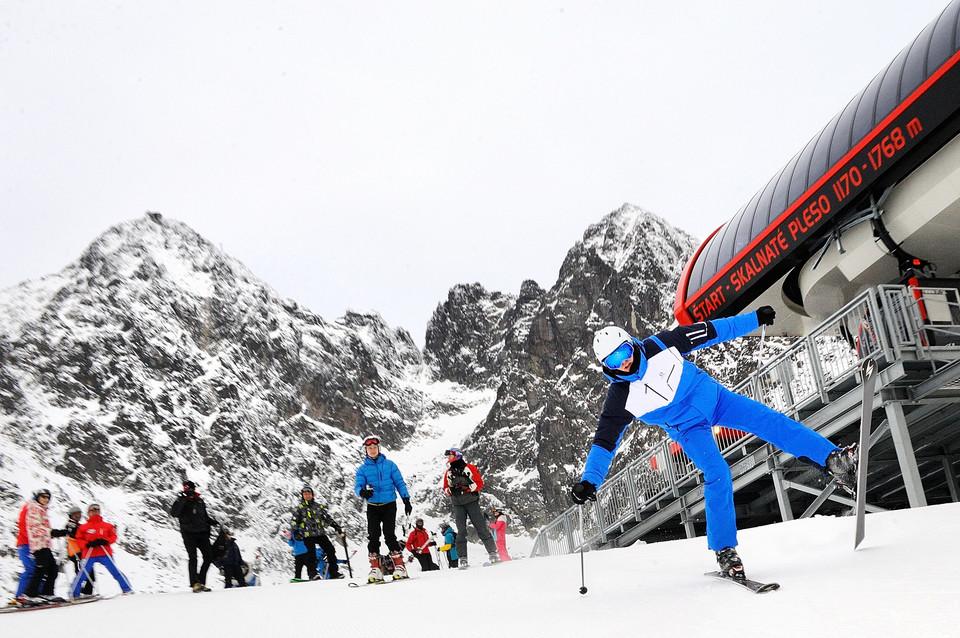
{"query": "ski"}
{"type": "Point", "coordinates": [869, 373]}
{"type": "Point", "coordinates": [47, 605]}
{"type": "Point", "coordinates": [753, 585]}
{"type": "Point", "coordinates": [354, 584]}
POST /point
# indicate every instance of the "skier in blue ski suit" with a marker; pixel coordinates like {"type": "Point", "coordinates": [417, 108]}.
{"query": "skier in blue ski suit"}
{"type": "Point", "coordinates": [652, 382]}
{"type": "Point", "coordinates": [378, 480]}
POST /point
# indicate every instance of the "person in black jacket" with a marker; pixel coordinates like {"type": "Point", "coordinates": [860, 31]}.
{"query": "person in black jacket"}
{"type": "Point", "coordinates": [74, 553]}
{"type": "Point", "coordinates": [310, 523]}
{"type": "Point", "coordinates": [232, 564]}
{"type": "Point", "coordinates": [195, 524]}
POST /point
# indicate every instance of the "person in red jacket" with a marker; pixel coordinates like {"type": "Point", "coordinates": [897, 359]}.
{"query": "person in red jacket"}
{"type": "Point", "coordinates": [95, 538]}
{"type": "Point", "coordinates": [499, 527]}
{"type": "Point", "coordinates": [462, 483]}
{"type": "Point", "coordinates": [36, 525]}
{"type": "Point", "coordinates": [418, 544]}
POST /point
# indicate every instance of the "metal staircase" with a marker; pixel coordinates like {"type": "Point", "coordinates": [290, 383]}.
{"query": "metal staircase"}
{"type": "Point", "coordinates": [913, 333]}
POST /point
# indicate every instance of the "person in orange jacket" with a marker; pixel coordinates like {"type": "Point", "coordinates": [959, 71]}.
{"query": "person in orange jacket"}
{"type": "Point", "coordinates": [499, 527]}
{"type": "Point", "coordinates": [74, 553]}
{"type": "Point", "coordinates": [95, 538]}
{"type": "Point", "coordinates": [418, 544]}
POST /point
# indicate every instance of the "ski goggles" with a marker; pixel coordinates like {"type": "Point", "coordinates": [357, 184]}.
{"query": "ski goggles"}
{"type": "Point", "coordinates": [372, 441]}
{"type": "Point", "coordinates": [616, 358]}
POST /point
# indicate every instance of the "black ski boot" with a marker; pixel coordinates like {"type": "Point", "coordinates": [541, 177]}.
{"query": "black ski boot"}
{"type": "Point", "coordinates": [730, 564]}
{"type": "Point", "coordinates": [842, 465]}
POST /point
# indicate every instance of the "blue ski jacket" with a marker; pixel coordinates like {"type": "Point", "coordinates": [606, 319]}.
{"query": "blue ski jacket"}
{"type": "Point", "coordinates": [385, 478]}
{"type": "Point", "coordinates": [661, 388]}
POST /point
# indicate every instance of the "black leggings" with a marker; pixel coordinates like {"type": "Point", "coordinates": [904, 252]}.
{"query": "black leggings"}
{"type": "Point", "coordinates": [193, 542]}
{"type": "Point", "coordinates": [386, 516]}
{"type": "Point", "coordinates": [44, 574]}
{"type": "Point", "coordinates": [333, 570]}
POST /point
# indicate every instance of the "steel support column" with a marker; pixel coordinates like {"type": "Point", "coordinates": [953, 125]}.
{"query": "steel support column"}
{"type": "Point", "coordinates": [951, 478]}
{"type": "Point", "coordinates": [783, 500]}
{"type": "Point", "coordinates": [905, 454]}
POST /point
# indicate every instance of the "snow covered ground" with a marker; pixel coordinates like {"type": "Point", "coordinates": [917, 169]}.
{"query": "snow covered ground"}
{"type": "Point", "coordinates": [901, 582]}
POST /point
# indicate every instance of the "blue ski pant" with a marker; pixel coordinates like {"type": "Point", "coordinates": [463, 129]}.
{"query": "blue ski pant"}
{"type": "Point", "coordinates": [741, 413]}
{"type": "Point", "coordinates": [26, 557]}
{"type": "Point", "coordinates": [86, 567]}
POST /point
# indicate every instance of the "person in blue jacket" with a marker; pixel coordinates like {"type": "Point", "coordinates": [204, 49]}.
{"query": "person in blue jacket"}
{"type": "Point", "coordinates": [299, 555]}
{"type": "Point", "coordinates": [652, 382]}
{"type": "Point", "coordinates": [450, 540]}
{"type": "Point", "coordinates": [378, 482]}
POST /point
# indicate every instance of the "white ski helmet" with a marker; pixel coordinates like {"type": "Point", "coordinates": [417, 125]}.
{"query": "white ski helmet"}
{"type": "Point", "coordinates": [608, 340]}
{"type": "Point", "coordinates": [370, 439]}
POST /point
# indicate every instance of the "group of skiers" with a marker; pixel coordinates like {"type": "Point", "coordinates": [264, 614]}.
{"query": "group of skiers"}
{"type": "Point", "coordinates": [87, 543]}
{"type": "Point", "coordinates": [378, 481]}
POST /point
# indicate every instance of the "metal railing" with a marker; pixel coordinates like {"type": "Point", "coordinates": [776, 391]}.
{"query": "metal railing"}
{"type": "Point", "coordinates": [886, 323]}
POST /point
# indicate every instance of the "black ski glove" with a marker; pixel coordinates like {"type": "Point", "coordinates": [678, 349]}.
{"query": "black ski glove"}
{"type": "Point", "coordinates": [366, 493]}
{"type": "Point", "coordinates": [56, 533]}
{"type": "Point", "coordinates": [97, 542]}
{"type": "Point", "coordinates": [407, 507]}
{"type": "Point", "coordinates": [766, 315]}
{"type": "Point", "coordinates": [583, 491]}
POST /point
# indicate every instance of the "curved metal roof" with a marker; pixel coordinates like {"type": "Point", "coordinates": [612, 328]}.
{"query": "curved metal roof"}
{"type": "Point", "coordinates": [839, 145]}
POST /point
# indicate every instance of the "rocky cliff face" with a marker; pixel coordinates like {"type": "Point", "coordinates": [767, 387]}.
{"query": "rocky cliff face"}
{"type": "Point", "coordinates": [157, 357]}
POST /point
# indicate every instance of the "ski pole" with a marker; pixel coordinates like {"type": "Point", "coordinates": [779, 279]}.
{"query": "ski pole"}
{"type": "Point", "coordinates": [346, 553]}
{"type": "Point", "coordinates": [583, 587]}
{"type": "Point", "coordinates": [763, 332]}
{"type": "Point", "coordinates": [84, 561]}
{"type": "Point", "coordinates": [118, 572]}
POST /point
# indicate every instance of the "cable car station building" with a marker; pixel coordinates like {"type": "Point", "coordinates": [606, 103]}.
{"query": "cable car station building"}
{"type": "Point", "coordinates": [856, 244]}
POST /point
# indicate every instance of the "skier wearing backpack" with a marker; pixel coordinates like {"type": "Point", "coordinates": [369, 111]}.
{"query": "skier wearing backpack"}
{"type": "Point", "coordinates": [651, 381]}
{"type": "Point", "coordinates": [462, 483]}
{"type": "Point", "coordinates": [378, 481]}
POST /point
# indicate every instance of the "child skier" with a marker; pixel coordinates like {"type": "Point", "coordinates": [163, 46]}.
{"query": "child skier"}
{"type": "Point", "coordinates": [499, 527]}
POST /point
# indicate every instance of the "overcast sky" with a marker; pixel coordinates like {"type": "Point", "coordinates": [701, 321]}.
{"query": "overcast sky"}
{"type": "Point", "coordinates": [371, 154]}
